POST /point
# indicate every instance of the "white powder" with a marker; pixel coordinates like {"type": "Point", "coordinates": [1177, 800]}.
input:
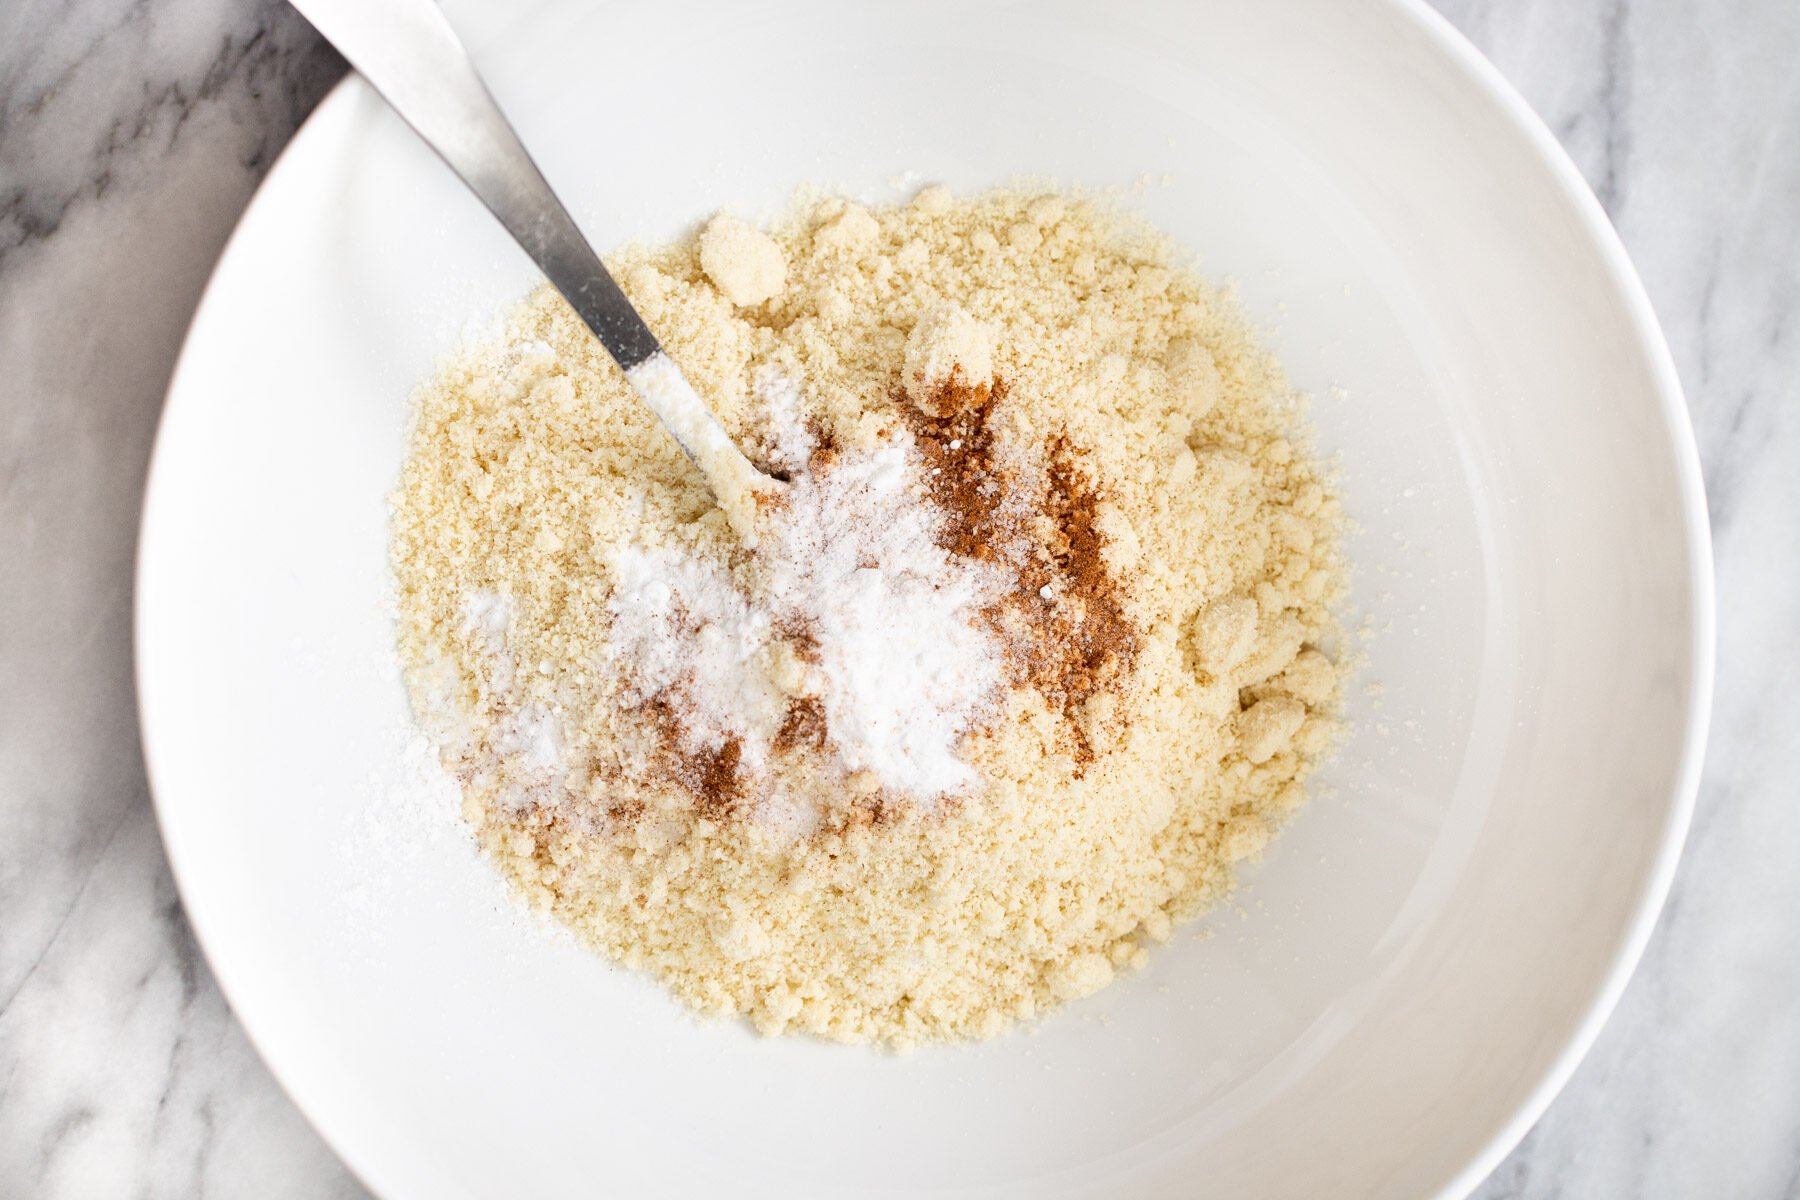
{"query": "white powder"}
{"type": "Point", "coordinates": [487, 616]}
{"type": "Point", "coordinates": [530, 737]}
{"type": "Point", "coordinates": [526, 735]}
{"type": "Point", "coordinates": [683, 631]}
{"type": "Point", "coordinates": [905, 667]}
{"type": "Point", "coordinates": [786, 440]}
{"type": "Point", "coordinates": [901, 665]}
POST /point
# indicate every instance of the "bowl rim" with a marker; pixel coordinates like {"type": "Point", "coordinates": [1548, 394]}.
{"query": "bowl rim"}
{"type": "Point", "coordinates": [1444, 39]}
{"type": "Point", "coordinates": [1679, 430]}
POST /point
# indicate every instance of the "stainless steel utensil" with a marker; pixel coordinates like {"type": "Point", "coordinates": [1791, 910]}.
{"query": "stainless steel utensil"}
{"type": "Point", "coordinates": [409, 53]}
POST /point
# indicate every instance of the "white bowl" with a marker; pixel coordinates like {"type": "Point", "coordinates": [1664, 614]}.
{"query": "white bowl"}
{"type": "Point", "coordinates": [1426, 952]}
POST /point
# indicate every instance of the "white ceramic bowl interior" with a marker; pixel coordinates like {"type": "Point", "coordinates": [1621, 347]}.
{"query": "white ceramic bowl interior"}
{"type": "Point", "coordinates": [1425, 952]}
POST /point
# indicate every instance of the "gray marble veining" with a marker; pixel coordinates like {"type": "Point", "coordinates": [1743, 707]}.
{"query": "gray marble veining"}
{"type": "Point", "coordinates": [1686, 118]}
{"type": "Point", "coordinates": [131, 135]}
{"type": "Point", "coordinates": [133, 131]}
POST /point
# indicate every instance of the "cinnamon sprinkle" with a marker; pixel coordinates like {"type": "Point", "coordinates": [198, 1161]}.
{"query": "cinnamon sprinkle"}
{"type": "Point", "coordinates": [721, 784]}
{"type": "Point", "coordinates": [1082, 641]}
{"type": "Point", "coordinates": [713, 777]}
{"type": "Point", "coordinates": [1065, 626]}
{"type": "Point", "coordinates": [967, 480]}
{"type": "Point", "coordinates": [803, 728]}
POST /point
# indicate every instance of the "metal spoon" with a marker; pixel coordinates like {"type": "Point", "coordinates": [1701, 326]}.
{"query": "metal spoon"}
{"type": "Point", "coordinates": [409, 53]}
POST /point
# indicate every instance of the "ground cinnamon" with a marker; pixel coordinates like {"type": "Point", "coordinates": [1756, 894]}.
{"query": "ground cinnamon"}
{"type": "Point", "coordinates": [1065, 626]}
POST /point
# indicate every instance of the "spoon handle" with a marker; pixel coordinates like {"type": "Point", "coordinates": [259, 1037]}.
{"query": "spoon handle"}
{"type": "Point", "coordinates": [409, 53]}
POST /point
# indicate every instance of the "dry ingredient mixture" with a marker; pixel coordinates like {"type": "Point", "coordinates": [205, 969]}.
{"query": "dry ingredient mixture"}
{"type": "Point", "coordinates": [1034, 646]}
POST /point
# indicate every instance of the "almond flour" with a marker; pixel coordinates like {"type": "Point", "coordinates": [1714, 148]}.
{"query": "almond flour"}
{"type": "Point", "coordinates": [1037, 643]}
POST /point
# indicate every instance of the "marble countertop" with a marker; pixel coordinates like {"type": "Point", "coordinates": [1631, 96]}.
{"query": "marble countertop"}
{"type": "Point", "coordinates": [132, 132]}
